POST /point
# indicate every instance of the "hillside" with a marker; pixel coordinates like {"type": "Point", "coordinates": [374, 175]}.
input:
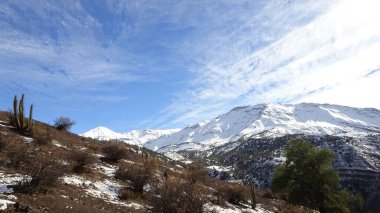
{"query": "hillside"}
{"type": "Point", "coordinates": [48, 170]}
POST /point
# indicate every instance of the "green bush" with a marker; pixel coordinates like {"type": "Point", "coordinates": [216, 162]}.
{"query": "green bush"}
{"type": "Point", "coordinates": [307, 178]}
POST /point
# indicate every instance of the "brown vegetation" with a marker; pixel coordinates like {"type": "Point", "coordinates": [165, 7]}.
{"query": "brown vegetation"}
{"type": "Point", "coordinates": [114, 152]}
{"type": "Point", "coordinates": [234, 193]}
{"type": "Point", "coordinates": [2, 142]}
{"type": "Point", "coordinates": [42, 136]}
{"type": "Point", "coordinates": [126, 194]}
{"type": "Point", "coordinates": [43, 173]}
{"type": "Point", "coordinates": [63, 123]}
{"type": "Point", "coordinates": [17, 153]}
{"type": "Point", "coordinates": [179, 196]}
{"type": "Point", "coordinates": [139, 174]}
{"type": "Point", "coordinates": [196, 173]}
{"type": "Point", "coordinates": [79, 160]}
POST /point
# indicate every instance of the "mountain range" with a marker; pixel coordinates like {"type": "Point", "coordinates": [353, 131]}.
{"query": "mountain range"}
{"type": "Point", "coordinates": [134, 137]}
{"type": "Point", "coordinates": [259, 121]}
{"type": "Point", "coordinates": [248, 142]}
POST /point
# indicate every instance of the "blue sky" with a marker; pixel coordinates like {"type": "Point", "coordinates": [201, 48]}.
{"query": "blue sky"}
{"type": "Point", "coordinates": [165, 64]}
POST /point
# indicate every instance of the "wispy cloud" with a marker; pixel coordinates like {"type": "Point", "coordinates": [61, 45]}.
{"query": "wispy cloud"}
{"type": "Point", "coordinates": [209, 56]}
{"type": "Point", "coordinates": [69, 46]}
{"type": "Point", "coordinates": [285, 52]}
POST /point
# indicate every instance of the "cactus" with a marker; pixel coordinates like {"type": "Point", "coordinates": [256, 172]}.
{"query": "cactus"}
{"type": "Point", "coordinates": [21, 122]}
{"type": "Point", "coordinates": [253, 195]}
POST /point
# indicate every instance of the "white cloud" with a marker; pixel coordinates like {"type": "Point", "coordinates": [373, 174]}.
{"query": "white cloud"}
{"type": "Point", "coordinates": [60, 46]}
{"type": "Point", "coordinates": [323, 59]}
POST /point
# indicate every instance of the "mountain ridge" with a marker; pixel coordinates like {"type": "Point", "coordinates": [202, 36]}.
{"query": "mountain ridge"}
{"type": "Point", "coordinates": [274, 120]}
{"type": "Point", "coordinates": [261, 120]}
{"type": "Point", "coordinates": [134, 137]}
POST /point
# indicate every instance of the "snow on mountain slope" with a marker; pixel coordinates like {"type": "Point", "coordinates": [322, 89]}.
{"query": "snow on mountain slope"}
{"type": "Point", "coordinates": [139, 137]}
{"type": "Point", "coordinates": [134, 137]}
{"type": "Point", "coordinates": [102, 133]}
{"type": "Point", "coordinates": [272, 120]}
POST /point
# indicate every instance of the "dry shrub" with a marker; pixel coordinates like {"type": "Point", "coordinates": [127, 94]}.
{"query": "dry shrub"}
{"type": "Point", "coordinates": [232, 192]}
{"type": "Point", "coordinates": [267, 193]}
{"type": "Point", "coordinates": [42, 136]}
{"type": "Point", "coordinates": [43, 173]}
{"type": "Point", "coordinates": [92, 146]}
{"type": "Point", "coordinates": [139, 174]}
{"type": "Point", "coordinates": [196, 173]}
{"type": "Point", "coordinates": [63, 123]}
{"type": "Point", "coordinates": [11, 118]}
{"type": "Point", "coordinates": [2, 142]}
{"type": "Point", "coordinates": [79, 160]}
{"type": "Point", "coordinates": [17, 153]}
{"type": "Point", "coordinates": [114, 152]}
{"type": "Point", "coordinates": [126, 194]}
{"type": "Point", "coordinates": [134, 156]}
{"type": "Point", "coordinates": [179, 196]}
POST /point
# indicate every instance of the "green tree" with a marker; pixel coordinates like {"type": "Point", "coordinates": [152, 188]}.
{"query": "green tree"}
{"type": "Point", "coordinates": [307, 178]}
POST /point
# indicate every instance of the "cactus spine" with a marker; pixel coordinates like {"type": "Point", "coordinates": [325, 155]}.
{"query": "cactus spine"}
{"type": "Point", "coordinates": [22, 123]}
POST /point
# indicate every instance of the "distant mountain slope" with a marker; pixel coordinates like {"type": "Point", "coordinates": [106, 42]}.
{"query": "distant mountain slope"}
{"type": "Point", "coordinates": [134, 137]}
{"type": "Point", "coordinates": [272, 120]}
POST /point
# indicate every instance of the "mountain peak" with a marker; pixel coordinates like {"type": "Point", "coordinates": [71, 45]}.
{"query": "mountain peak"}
{"type": "Point", "coordinates": [101, 133]}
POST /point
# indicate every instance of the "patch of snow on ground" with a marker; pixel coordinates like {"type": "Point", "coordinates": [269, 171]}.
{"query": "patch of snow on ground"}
{"type": "Point", "coordinates": [5, 124]}
{"type": "Point", "coordinates": [106, 169]}
{"type": "Point", "coordinates": [220, 168]}
{"type": "Point", "coordinates": [27, 139]}
{"type": "Point", "coordinates": [233, 209]}
{"type": "Point", "coordinates": [7, 180]}
{"type": "Point", "coordinates": [99, 155]}
{"type": "Point", "coordinates": [4, 204]}
{"type": "Point", "coordinates": [57, 144]}
{"type": "Point", "coordinates": [105, 189]}
{"type": "Point", "coordinates": [128, 161]}
{"type": "Point", "coordinates": [76, 181]}
{"type": "Point", "coordinates": [63, 162]}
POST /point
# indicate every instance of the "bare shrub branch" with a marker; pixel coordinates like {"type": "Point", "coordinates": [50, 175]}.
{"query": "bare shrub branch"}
{"type": "Point", "coordinates": [63, 123]}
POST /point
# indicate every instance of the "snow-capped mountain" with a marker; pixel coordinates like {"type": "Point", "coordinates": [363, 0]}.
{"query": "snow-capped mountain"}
{"type": "Point", "coordinates": [248, 142]}
{"type": "Point", "coordinates": [134, 137]}
{"type": "Point", "coordinates": [102, 133]}
{"type": "Point", "coordinates": [267, 120]}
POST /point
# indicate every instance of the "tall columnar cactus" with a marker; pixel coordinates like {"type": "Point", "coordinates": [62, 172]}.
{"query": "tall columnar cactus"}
{"type": "Point", "coordinates": [21, 122]}
{"type": "Point", "coordinates": [253, 195]}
